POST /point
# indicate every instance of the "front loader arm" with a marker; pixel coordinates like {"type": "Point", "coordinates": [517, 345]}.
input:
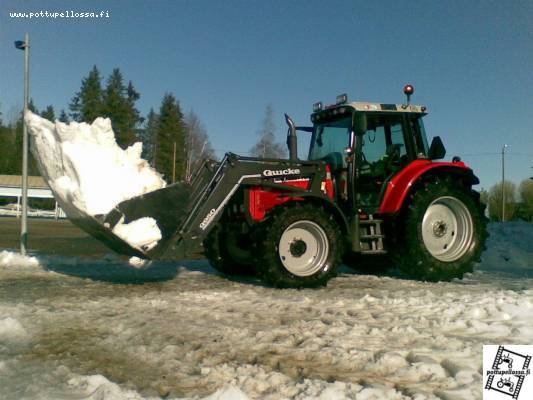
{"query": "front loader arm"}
{"type": "Point", "coordinates": [234, 172]}
{"type": "Point", "coordinates": [185, 213]}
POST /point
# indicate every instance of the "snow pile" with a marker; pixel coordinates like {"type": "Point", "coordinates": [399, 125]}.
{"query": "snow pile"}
{"type": "Point", "coordinates": [509, 248]}
{"type": "Point", "coordinates": [90, 174]}
{"type": "Point", "coordinates": [14, 260]}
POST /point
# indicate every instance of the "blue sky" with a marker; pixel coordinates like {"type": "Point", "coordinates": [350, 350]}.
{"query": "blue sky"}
{"type": "Point", "coordinates": [471, 63]}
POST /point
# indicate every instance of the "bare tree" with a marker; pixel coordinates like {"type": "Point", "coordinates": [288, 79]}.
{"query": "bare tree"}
{"type": "Point", "coordinates": [267, 147]}
{"type": "Point", "coordinates": [484, 199]}
{"type": "Point", "coordinates": [198, 144]}
{"type": "Point", "coordinates": [495, 201]}
{"type": "Point", "coordinates": [526, 196]}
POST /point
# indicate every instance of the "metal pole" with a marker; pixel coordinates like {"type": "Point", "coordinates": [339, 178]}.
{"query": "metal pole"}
{"type": "Point", "coordinates": [503, 182]}
{"type": "Point", "coordinates": [24, 223]}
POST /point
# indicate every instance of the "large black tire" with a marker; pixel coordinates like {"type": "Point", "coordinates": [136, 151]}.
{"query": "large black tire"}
{"type": "Point", "coordinates": [444, 232]}
{"type": "Point", "coordinates": [217, 252]}
{"type": "Point", "coordinates": [300, 245]}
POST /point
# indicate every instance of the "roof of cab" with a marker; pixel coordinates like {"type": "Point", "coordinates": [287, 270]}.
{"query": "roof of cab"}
{"type": "Point", "coordinates": [364, 106]}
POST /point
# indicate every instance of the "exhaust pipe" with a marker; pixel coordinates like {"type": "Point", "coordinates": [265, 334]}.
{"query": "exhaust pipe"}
{"type": "Point", "coordinates": [292, 140]}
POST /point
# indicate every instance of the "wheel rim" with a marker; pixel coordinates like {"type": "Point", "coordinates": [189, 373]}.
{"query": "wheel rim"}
{"type": "Point", "coordinates": [303, 248]}
{"type": "Point", "coordinates": [447, 229]}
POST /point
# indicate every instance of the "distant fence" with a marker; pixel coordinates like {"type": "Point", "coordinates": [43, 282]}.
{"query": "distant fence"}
{"type": "Point", "coordinates": [11, 186]}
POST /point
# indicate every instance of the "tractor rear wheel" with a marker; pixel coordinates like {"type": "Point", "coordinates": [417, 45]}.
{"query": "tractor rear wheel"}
{"type": "Point", "coordinates": [444, 232]}
{"type": "Point", "coordinates": [225, 255]}
{"type": "Point", "coordinates": [300, 246]}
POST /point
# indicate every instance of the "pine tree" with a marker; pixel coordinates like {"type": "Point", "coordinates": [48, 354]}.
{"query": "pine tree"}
{"type": "Point", "coordinates": [198, 145]}
{"type": "Point", "coordinates": [63, 117]}
{"type": "Point", "coordinates": [119, 106]}
{"type": "Point", "coordinates": [49, 113]}
{"type": "Point", "coordinates": [86, 105]}
{"type": "Point", "coordinates": [6, 149]}
{"type": "Point", "coordinates": [15, 150]}
{"type": "Point", "coordinates": [170, 139]}
{"type": "Point", "coordinates": [266, 146]}
{"type": "Point", "coordinates": [149, 136]}
{"type": "Point", "coordinates": [32, 108]}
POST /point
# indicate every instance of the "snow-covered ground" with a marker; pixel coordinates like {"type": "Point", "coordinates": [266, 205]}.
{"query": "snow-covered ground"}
{"type": "Point", "coordinates": [73, 328]}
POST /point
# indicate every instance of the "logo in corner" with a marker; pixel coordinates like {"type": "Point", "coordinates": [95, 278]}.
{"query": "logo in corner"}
{"type": "Point", "coordinates": [507, 372]}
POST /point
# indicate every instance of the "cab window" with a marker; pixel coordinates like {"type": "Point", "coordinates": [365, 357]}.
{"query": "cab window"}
{"type": "Point", "coordinates": [419, 133]}
{"type": "Point", "coordinates": [330, 140]}
{"type": "Point", "coordinates": [383, 139]}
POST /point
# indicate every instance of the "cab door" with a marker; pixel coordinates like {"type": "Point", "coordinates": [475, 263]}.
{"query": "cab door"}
{"type": "Point", "coordinates": [381, 151]}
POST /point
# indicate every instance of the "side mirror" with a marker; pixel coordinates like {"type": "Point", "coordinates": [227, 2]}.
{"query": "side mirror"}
{"type": "Point", "coordinates": [436, 150]}
{"type": "Point", "coordinates": [359, 124]}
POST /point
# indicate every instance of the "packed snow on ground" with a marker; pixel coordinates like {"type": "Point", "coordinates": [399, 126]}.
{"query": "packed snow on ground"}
{"type": "Point", "coordinates": [73, 328]}
{"type": "Point", "coordinates": [90, 174]}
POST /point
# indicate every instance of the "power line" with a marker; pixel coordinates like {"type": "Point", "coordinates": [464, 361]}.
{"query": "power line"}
{"type": "Point", "coordinates": [496, 154]}
{"type": "Point", "coordinates": [479, 154]}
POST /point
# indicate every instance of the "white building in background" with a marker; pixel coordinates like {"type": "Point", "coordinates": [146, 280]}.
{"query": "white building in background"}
{"type": "Point", "coordinates": [11, 186]}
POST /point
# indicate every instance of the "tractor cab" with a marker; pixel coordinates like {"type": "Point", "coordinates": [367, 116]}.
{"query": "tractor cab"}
{"type": "Point", "coordinates": [366, 145]}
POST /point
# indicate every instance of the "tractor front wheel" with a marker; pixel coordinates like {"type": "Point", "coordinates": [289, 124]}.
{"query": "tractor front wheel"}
{"type": "Point", "coordinates": [445, 232]}
{"type": "Point", "coordinates": [300, 246]}
{"type": "Point", "coordinates": [225, 255]}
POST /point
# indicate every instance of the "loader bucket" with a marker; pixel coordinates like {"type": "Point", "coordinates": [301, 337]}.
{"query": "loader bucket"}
{"type": "Point", "coordinates": [168, 206]}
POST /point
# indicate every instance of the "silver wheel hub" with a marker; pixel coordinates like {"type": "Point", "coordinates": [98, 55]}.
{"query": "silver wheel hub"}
{"type": "Point", "coordinates": [303, 248]}
{"type": "Point", "coordinates": [439, 228]}
{"type": "Point", "coordinates": [447, 229]}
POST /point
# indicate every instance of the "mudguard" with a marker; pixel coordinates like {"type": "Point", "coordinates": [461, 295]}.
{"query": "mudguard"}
{"type": "Point", "coordinates": [400, 185]}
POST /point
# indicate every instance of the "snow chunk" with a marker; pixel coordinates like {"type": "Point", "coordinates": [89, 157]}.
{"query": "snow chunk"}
{"type": "Point", "coordinates": [90, 174]}
{"type": "Point", "coordinates": [142, 233]}
{"type": "Point", "coordinates": [137, 262]}
{"type": "Point", "coordinates": [85, 168]}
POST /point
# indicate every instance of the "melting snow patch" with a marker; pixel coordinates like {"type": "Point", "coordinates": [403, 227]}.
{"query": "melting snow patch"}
{"type": "Point", "coordinates": [11, 260]}
{"type": "Point", "coordinates": [228, 393]}
{"type": "Point", "coordinates": [98, 387]}
{"type": "Point", "coordinates": [11, 330]}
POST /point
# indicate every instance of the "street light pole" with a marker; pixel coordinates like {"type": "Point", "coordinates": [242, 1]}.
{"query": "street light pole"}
{"type": "Point", "coordinates": [25, 45]}
{"type": "Point", "coordinates": [503, 180]}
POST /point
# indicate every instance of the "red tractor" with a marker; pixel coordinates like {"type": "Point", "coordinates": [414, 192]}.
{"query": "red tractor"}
{"type": "Point", "coordinates": [370, 194]}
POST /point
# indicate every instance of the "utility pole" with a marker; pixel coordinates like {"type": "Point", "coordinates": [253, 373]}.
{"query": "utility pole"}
{"type": "Point", "coordinates": [503, 182]}
{"type": "Point", "coordinates": [25, 45]}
